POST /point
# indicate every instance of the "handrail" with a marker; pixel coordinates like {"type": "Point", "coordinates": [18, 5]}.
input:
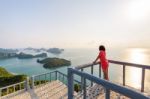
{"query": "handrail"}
{"type": "Point", "coordinates": [56, 76]}
{"type": "Point", "coordinates": [115, 62]}
{"type": "Point", "coordinates": [123, 64]}
{"type": "Point", "coordinates": [43, 74]}
{"type": "Point", "coordinates": [108, 85]}
{"type": "Point", "coordinates": [130, 64]}
{"type": "Point", "coordinates": [12, 85]}
{"type": "Point", "coordinates": [14, 88]}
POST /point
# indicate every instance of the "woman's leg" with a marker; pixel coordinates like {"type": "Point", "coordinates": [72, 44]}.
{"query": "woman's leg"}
{"type": "Point", "coordinates": [107, 78]}
{"type": "Point", "coordinates": [105, 73]}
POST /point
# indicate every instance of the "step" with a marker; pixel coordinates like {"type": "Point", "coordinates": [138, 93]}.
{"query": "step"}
{"type": "Point", "coordinates": [50, 90]}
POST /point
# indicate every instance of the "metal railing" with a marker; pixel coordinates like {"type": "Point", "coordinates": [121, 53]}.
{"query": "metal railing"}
{"type": "Point", "coordinates": [42, 79]}
{"type": "Point", "coordinates": [13, 89]}
{"type": "Point", "coordinates": [124, 65]}
{"type": "Point", "coordinates": [33, 82]}
{"type": "Point", "coordinates": [108, 86]}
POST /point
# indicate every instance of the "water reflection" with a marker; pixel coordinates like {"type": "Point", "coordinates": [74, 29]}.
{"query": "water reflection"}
{"type": "Point", "coordinates": [138, 56]}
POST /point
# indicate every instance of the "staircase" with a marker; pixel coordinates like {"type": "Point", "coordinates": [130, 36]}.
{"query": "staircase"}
{"type": "Point", "coordinates": [51, 90]}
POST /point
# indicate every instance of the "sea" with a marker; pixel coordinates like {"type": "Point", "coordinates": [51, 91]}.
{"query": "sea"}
{"type": "Point", "coordinates": [83, 56]}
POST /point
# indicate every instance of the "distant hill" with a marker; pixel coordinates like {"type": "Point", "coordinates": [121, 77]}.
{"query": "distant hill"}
{"type": "Point", "coordinates": [25, 56]}
{"type": "Point", "coordinates": [55, 50]}
{"type": "Point", "coordinates": [54, 62]}
{"type": "Point", "coordinates": [2, 50]}
{"type": "Point", "coordinates": [50, 50]}
{"type": "Point", "coordinates": [5, 55]}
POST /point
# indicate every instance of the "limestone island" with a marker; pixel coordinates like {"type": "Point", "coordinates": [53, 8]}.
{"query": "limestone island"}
{"type": "Point", "coordinates": [55, 50]}
{"type": "Point", "coordinates": [26, 56]}
{"type": "Point", "coordinates": [54, 62]}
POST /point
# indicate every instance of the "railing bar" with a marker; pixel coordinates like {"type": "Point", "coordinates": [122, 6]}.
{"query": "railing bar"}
{"type": "Point", "coordinates": [20, 86]}
{"type": "Point", "coordinates": [115, 62]}
{"type": "Point", "coordinates": [50, 76]}
{"type": "Point", "coordinates": [14, 88]}
{"type": "Point", "coordinates": [55, 75]}
{"type": "Point", "coordinates": [70, 84]}
{"type": "Point", "coordinates": [92, 74]}
{"type": "Point", "coordinates": [32, 80]}
{"type": "Point", "coordinates": [59, 77]}
{"type": "Point", "coordinates": [12, 85]}
{"type": "Point", "coordinates": [63, 78]}
{"type": "Point", "coordinates": [99, 70]}
{"type": "Point", "coordinates": [124, 71]}
{"type": "Point", "coordinates": [130, 64]}
{"type": "Point", "coordinates": [7, 90]}
{"type": "Point", "coordinates": [0, 92]}
{"type": "Point", "coordinates": [143, 80]}
{"type": "Point", "coordinates": [107, 94]}
{"type": "Point", "coordinates": [45, 78]}
{"type": "Point", "coordinates": [84, 90]}
{"type": "Point", "coordinates": [82, 80]}
{"type": "Point", "coordinates": [44, 73]}
{"type": "Point", "coordinates": [117, 88]}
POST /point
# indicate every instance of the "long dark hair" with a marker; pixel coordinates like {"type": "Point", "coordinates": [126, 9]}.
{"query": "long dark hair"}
{"type": "Point", "coordinates": [102, 47]}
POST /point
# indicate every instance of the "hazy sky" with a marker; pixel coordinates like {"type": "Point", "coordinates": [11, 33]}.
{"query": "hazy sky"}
{"type": "Point", "coordinates": [74, 23]}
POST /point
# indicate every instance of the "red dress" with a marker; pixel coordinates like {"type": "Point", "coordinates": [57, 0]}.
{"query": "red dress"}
{"type": "Point", "coordinates": [103, 60]}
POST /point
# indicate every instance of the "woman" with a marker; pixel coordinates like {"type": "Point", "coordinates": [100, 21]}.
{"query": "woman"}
{"type": "Point", "coordinates": [103, 61]}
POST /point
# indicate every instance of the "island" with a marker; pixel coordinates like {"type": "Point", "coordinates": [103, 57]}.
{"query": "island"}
{"type": "Point", "coordinates": [7, 53]}
{"type": "Point", "coordinates": [26, 56]}
{"type": "Point", "coordinates": [7, 78]}
{"type": "Point", "coordinates": [35, 49]}
{"type": "Point", "coordinates": [55, 50]}
{"type": "Point", "coordinates": [54, 62]}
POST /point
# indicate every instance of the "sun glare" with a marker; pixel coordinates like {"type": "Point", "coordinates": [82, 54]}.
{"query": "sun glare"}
{"type": "Point", "coordinates": [138, 10]}
{"type": "Point", "coordinates": [136, 55]}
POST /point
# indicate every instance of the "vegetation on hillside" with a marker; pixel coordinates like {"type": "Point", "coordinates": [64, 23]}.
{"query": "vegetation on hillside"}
{"type": "Point", "coordinates": [7, 78]}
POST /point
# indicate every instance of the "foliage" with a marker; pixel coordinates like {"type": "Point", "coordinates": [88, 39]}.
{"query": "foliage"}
{"type": "Point", "coordinates": [77, 87]}
{"type": "Point", "coordinates": [7, 78]}
{"type": "Point", "coordinates": [4, 72]}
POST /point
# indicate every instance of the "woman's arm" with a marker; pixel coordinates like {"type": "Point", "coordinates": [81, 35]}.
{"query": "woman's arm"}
{"type": "Point", "coordinates": [96, 59]}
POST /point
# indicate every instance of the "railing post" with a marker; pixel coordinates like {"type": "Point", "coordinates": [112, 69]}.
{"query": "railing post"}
{"type": "Point", "coordinates": [32, 82]}
{"type": "Point", "coordinates": [124, 71]}
{"type": "Point", "coordinates": [50, 76]}
{"type": "Point", "coordinates": [63, 78]}
{"type": "Point", "coordinates": [7, 90]}
{"type": "Point", "coordinates": [99, 70]}
{"type": "Point", "coordinates": [27, 86]}
{"type": "Point", "coordinates": [70, 84]}
{"type": "Point", "coordinates": [0, 92]}
{"type": "Point", "coordinates": [45, 78]}
{"type": "Point", "coordinates": [82, 80]}
{"type": "Point", "coordinates": [14, 88]}
{"type": "Point", "coordinates": [143, 80]}
{"type": "Point", "coordinates": [84, 90]}
{"type": "Point", "coordinates": [55, 75]}
{"type": "Point", "coordinates": [19, 87]}
{"type": "Point", "coordinates": [92, 74]}
{"type": "Point", "coordinates": [59, 76]}
{"type": "Point", "coordinates": [107, 94]}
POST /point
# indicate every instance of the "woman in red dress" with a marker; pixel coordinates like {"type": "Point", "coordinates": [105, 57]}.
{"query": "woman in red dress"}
{"type": "Point", "coordinates": [103, 61]}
